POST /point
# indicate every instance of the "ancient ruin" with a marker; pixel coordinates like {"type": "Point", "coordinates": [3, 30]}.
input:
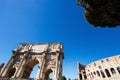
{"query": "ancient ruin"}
{"type": "Point", "coordinates": [104, 69]}
{"type": "Point", "coordinates": [48, 56]}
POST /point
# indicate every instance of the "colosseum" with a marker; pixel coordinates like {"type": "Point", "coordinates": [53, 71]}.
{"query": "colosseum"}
{"type": "Point", "coordinates": [103, 69]}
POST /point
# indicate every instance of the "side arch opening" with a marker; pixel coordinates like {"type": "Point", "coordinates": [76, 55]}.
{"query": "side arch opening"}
{"type": "Point", "coordinates": [107, 73]}
{"type": "Point", "coordinates": [48, 74]}
{"type": "Point", "coordinates": [29, 68]}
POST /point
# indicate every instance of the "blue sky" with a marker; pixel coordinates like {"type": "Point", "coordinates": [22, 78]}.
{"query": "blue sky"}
{"type": "Point", "coordinates": [55, 21]}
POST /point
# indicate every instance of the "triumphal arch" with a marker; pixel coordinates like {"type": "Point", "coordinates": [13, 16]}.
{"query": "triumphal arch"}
{"type": "Point", "coordinates": [48, 56]}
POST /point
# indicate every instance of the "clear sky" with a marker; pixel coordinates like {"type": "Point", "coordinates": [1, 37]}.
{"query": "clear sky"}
{"type": "Point", "coordinates": [55, 21]}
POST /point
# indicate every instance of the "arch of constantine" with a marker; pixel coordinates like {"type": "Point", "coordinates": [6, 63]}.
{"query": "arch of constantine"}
{"type": "Point", "coordinates": [104, 69]}
{"type": "Point", "coordinates": [48, 56]}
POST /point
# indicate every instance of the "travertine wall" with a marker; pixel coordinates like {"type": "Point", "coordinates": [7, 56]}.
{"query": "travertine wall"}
{"type": "Point", "coordinates": [104, 69]}
{"type": "Point", "coordinates": [48, 56]}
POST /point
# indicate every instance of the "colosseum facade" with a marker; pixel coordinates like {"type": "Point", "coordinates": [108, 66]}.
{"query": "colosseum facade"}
{"type": "Point", "coordinates": [103, 69]}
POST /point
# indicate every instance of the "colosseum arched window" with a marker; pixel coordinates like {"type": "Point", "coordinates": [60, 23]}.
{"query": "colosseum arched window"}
{"type": "Point", "coordinates": [102, 73]}
{"type": "Point", "coordinates": [100, 67]}
{"type": "Point", "coordinates": [98, 73]}
{"type": "Point", "coordinates": [89, 75]}
{"type": "Point", "coordinates": [94, 64]}
{"type": "Point", "coordinates": [107, 59]}
{"type": "Point", "coordinates": [118, 69]}
{"type": "Point", "coordinates": [92, 75]}
{"type": "Point", "coordinates": [113, 71]}
{"type": "Point", "coordinates": [107, 73]}
{"type": "Point", "coordinates": [102, 61]}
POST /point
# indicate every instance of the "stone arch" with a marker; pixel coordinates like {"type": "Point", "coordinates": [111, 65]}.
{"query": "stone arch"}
{"type": "Point", "coordinates": [11, 72]}
{"type": "Point", "coordinates": [107, 73]}
{"type": "Point", "coordinates": [118, 69]}
{"type": "Point", "coordinates": [113, 71]}
{"type": "Point", "coordinates": [98, 73]}
{"type": "Point", "coordinates": [47, 73]}
{"type": "Point", "coordinates": [102, 73]}
{"type": "Point", "coordinates": [94, 73]}
{"type": "Point", "coordinates": [28, 68]}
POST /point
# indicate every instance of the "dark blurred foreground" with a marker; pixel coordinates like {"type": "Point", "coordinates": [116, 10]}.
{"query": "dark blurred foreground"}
{"type": "Point", "coordinates": [104, 13]}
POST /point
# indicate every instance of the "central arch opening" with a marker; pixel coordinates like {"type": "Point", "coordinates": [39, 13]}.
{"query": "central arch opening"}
{"type": "Point", "coordinates": [49, 74]}
{"type": "Point", "coordinates": [29, 68]}
{"type": "Point", "coordinates": [34, 71]}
